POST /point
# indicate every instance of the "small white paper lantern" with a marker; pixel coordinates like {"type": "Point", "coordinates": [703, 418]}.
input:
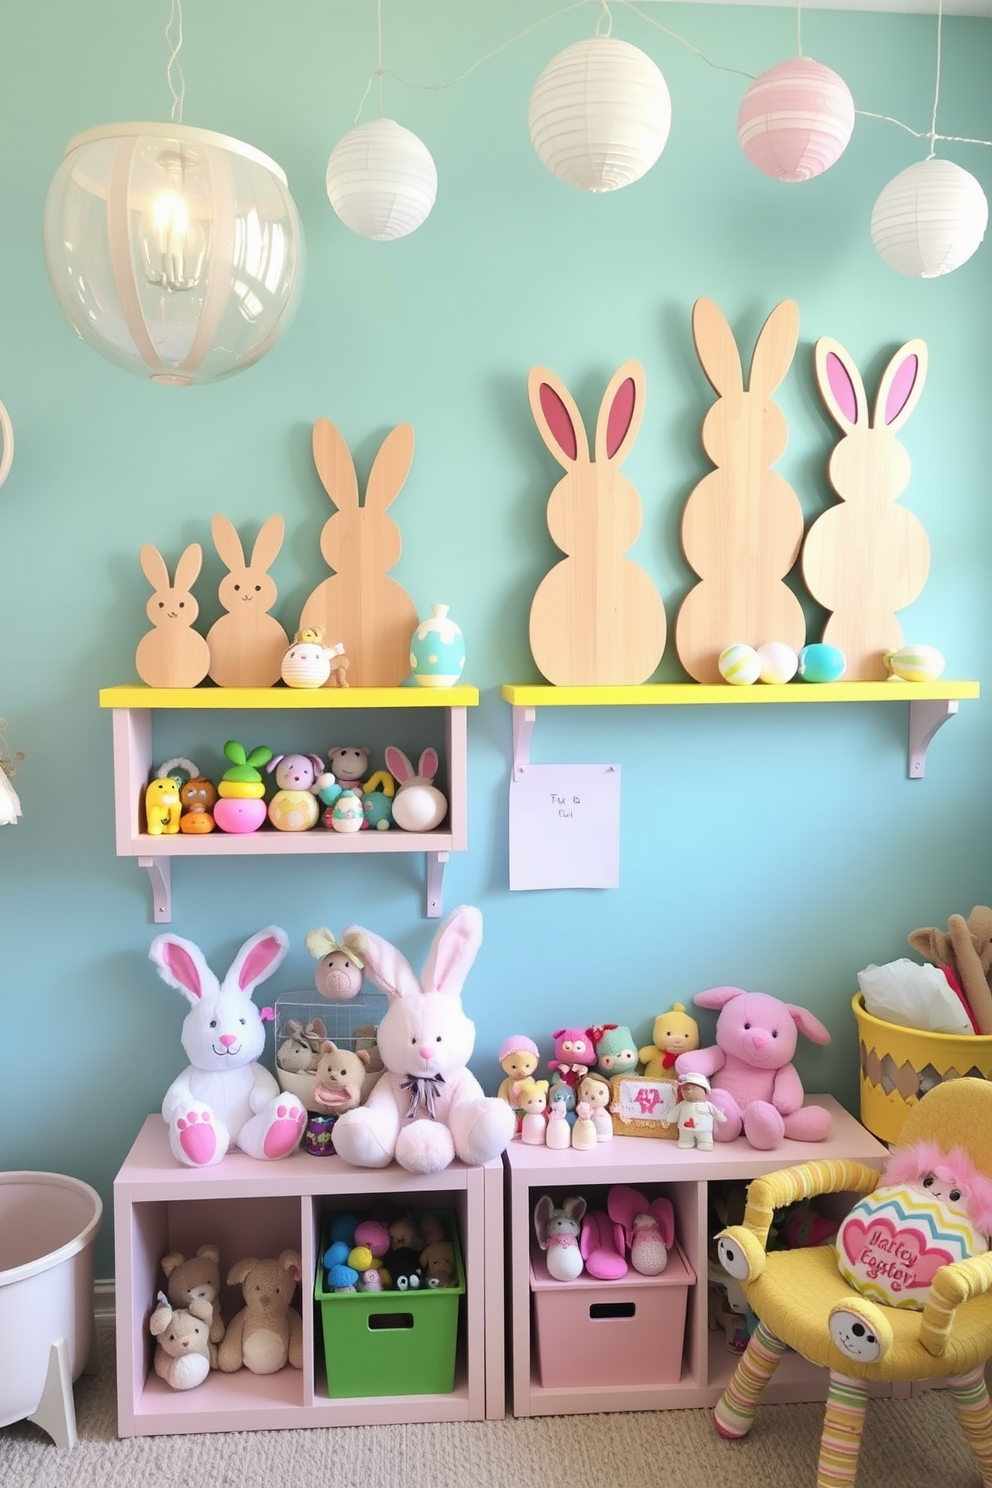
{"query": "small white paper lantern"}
{"type": "Point", "coordinates": [796, 119]}
{"type": "Point", "coordinates": [600, 114]}
{"type": "Point", "coordinates": [381, 180]}
{"type": "Point", "coordinates": [929, 219]}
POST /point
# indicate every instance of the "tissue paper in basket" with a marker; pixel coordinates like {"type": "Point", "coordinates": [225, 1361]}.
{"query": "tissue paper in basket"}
{"type": "Point", "coordinates": [913, 996]}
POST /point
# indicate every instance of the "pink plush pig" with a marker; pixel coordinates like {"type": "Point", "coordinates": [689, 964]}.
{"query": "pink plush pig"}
{"type": "Point", "coordinates": [750, 1069]}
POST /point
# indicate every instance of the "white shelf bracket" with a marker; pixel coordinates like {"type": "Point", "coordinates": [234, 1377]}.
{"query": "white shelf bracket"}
{"type": "Point", "coordinates": [523, 727]}
{"type": "Point", "coordinates": [926, 716]}
{"type": "Point", "coordinates": [160, 876]}
{"type": "Point", "coordinates": [436, 863]}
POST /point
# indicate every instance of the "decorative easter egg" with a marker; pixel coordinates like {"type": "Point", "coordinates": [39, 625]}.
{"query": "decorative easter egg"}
{"type": "Point", "coordinates": [915, 663]}
{"type": "Point", "coordinates": [821, 663]}
{"type": "Point", "coordinates": [239, 814]}
{"type": "Point", "coordinates": [346, 814]}
{"type": "Point", "coordinates": [739, 665]}
{"type": "Point", "coordinates": [293, 811]}
{"type": "Point", "coordinates": [779, 663]}
{"type": "Point", "coordinates": [437, 650]}
{"type": "Point", "coordinates": [894, 1241]}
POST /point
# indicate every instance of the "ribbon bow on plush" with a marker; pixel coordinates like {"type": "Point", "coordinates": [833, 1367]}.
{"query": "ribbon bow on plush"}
{"type": "Point", "coordinates": [322, 943]}
{"type": "Point", "coordinates": [424, 1090]}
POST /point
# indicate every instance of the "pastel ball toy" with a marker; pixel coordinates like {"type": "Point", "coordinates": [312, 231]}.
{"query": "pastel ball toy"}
{"type": "Point", "coordinates": [739, 665]}
{"type": "Point", "coordinates": [821, 663]}
{"type": "Point", "coordinates": [915, 663]}
{"type": "Point", "coordinates": [779, 663]}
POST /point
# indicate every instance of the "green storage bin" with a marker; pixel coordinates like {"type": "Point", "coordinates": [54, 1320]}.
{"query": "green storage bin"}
{"type": "Point", "coordinates": [391, 1343]}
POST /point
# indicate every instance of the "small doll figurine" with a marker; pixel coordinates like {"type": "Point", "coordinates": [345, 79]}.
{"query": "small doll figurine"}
{"type": "Point", "coordinates": [561, 1101]}
{"type": "Point", "coordinates": [616, 1052]}
{"type": "Point", "coordinates": [558, 1133]}
{"type": "Point", "coordinates": [674, 1033]}
{"type": "Point", "coordinates": [695, 1114]}
{"type": "Point", "coordinates": [594, 1089]}
{"type": "Point", "coordinates": [529, 1097]}
{"type": "Point", "coordinates": [519, 1057]}
{"type": "Point", "coordinates": [574, 1054]}
{"type": "Point", "coordinates": [584, 1131]}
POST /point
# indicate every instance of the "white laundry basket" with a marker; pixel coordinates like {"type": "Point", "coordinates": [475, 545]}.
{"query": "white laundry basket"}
{"type": "Point", "coordinates": [48, 1223]}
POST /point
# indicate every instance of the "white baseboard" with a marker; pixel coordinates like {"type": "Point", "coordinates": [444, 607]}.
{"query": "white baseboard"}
{"type": "Point", "coordinates": [104, 1301]}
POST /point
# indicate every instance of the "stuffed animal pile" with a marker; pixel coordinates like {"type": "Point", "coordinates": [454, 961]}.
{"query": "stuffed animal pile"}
{"type": "Point", "coordinates": [390, 1252]}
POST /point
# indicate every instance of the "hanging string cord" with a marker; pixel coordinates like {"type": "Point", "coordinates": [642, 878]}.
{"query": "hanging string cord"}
{"type": "Point", "coordinates": [604, 19]}
{"type": "Point", "coordinates": [717, 66]}
{"type": "Point", "coordinates": [799, 29]}
{"type": "Point", "coordinates": [936, 86]}
{"type": "Point", "coordinates": [378, 23]}
{"type": "Point", "coordinates": [174, 72]}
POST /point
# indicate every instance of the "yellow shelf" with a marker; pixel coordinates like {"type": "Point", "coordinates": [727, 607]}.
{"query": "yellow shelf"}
{"type": "Point", "coordinates": [139, 696]}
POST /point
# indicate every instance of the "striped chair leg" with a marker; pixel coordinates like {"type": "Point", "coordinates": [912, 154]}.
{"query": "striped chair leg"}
{"type": "Point", "coordinates": [733, 1414]}
{"type": "Point", "coordinates": [974, 1410]}
{"type": "Point", "coordinates": [840, 1443]}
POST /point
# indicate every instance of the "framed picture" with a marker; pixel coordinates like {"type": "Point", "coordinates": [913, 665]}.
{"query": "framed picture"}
{"type": "Point", "coordinates": [642, 1107]}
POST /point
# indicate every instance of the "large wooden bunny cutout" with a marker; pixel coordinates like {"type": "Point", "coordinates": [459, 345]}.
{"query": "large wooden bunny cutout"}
{"type": "Point", "coordinates": [428, 1108]}
{"type": "Point", "coordinates": [866, 558]}
{"type": "Point", "coordinates": [596, 619]}
{"type": "Point", "coordinates": [361, 606]}
{"type": "Point", "coordinates": [742, 526]}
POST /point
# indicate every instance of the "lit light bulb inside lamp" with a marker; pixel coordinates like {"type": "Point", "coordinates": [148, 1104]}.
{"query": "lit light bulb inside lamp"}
{"type": "Point", "coordinates": [172, 249]}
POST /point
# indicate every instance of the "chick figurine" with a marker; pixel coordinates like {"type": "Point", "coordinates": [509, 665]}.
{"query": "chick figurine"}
{"type": "Point", "coordinates": [674, 1033]}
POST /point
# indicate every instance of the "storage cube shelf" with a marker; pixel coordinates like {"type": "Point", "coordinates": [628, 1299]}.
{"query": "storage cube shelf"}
{"type": "Point", "coordinates": [653, 1166]}
{"type": "Point", "coordinates": [134, 709]}
{"type": "Point", "coordinates": [247, 1207]}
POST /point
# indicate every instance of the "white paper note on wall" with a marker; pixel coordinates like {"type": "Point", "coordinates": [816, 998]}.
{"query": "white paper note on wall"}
{"type": "Point", "coordinates": [565, 827]}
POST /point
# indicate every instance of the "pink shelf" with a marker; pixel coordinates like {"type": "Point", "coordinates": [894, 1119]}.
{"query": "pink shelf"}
{"type": "Point", "coordinates": [249, 1207]}
{"type": "Point", "coordinates": [654, 1164]}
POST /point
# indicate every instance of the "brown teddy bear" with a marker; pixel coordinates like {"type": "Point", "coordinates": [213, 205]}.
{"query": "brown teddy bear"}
{"type": "Point", "coordinates": [437, 1262]}
{"type": "Point", "coordinates": [184, 1355]}
{"type": "Point", "coordinates": [966, 948]}
{"type": "Point", "coordinates": [267, 1332]}
{"type": "Point", "coordinates": [339, 1081]}
{"type": "Point", "coordinates": [197, 1279]}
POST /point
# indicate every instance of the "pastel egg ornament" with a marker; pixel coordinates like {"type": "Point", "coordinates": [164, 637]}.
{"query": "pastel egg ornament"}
{"type": "Point", "coordinates": [796, 120]}
{"type": "Point", "coordinates": [739, 665]}
{"type": "Point", "coordinates": [819, 662]}
{"type": "Point", "coordinates": [293, 810]}
{"type": "Point", "coordinates": [779, 662]}
{"type": "Point", "coordinates": [915, 663]}
{"type": "Point", "coordinates": [437, 650]}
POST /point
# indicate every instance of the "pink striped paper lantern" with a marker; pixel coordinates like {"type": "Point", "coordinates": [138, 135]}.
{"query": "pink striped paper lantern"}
{"type": "Point", "coordinates": [795, 120]}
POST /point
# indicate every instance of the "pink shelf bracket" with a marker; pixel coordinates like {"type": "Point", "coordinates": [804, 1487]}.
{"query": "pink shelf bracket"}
{"type": "Point", "coordinates": [160, 875]}
{"type": "Point", "coordinates": [926, 716]}
{"type": "Point", "coordinates": [436, 863]}
{"type": "Point", "coordinates": [523, 727]}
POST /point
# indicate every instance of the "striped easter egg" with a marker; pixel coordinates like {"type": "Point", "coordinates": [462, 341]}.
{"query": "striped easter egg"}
{"type": "Point", "coordinates": [915, 663]}
{"type": "Point", "coordinates": [739, 665]}
{"type": "Point", "coordinates": [795, 120]}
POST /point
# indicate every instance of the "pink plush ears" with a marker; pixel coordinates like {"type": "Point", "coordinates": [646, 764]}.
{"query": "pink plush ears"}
{"type": "Point", "coordinates": [911, 1165]}
{"type": "Point", "coordinates": [807, 1024]}
{"type": "Point", "coordinates": [455, 947]}
{"type": "Point", "coordinates": [718, 997]}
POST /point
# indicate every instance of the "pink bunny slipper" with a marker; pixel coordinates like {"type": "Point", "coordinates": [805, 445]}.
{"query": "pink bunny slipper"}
{"type": "Point", "coordinates": [601, 1245]}
{"type": "Point", "coordinates": [647, 1227]}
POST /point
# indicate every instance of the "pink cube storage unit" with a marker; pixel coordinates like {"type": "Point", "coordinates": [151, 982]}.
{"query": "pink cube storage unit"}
{"type": "Point", "coordinates": [627, 1332]}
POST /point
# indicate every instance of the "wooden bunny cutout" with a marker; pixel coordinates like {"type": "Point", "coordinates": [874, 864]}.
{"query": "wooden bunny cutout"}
{"type": "Point", "coordinates": [360, 605]}
{"type": "Point", "coordinates": [597, 618]}
{"type": "Point", "coordinates": [866, 558]}
{"type": "Point", "coordinates": [173, 654]}
{"type": "Point", "coordinates": [742, 526]}
{"type": "Point", "coordinates": [247, 644]}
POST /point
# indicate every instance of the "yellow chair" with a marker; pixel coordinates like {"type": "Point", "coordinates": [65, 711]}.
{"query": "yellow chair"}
{"type": "Point", "coordinates": [795, 1293]}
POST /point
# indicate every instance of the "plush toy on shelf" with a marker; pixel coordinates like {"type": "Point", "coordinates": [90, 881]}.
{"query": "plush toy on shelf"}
{"type": "Point", "coordinates": [268, 1331]}
{"type": "Point", "coordinates": [428, 1107]}
{"type": "Point", "coordinates": [616, 1052]}
{"type": "Point", "coordinates": [595, 1090]}
{"type": "Point", "coordinates": [574, 1054]}
{"type": "Point", "coordinates": [519, 1057]}
{"type": "Point", "coordinates": [184, 1355]}
{"type": "Point", "coordinates": [695, 1114]}
{"type": "Point", "coordinates": [339, 973]}
{"type": "Point", "coordinates": [241, 807]}
{"type": "Point", "coordinates": [294, 806]}
{"type": "Point", "coordinates": [647, 1227]}
{"type": "Point", "coordinates": [418, 805]}
{"type": "Point", "coordinates": [753, 1080]}
{"type": "Point", "coordinates": [584, 1137]}
{"type": "Point", "coordinates": [558, 1228]}
{"type": "Point", "coordinates": [225, 1098]}
{"type": "Point", "coordinates": [340, 1078]}
{"type": "Point", "coordinates": [437, 1263]}
{"type": "Point", "coordinates": [309, 663]}
{"type": "Point", "coordinates": [163, 807]}
{"type": "Point", "coordinates": [198, 797]}
{"type": "Point", "coordinates": [674, 1033]}
{"type": "Point", "coordinates": [196, 1279]}
{"type": "Point", "coordinates": [530, 1103]}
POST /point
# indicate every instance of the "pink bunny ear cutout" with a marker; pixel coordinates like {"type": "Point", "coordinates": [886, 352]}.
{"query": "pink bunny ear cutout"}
{"type": "Point", "coordinates": [557, 418]}
{"type": "Point", "coordinates": [620, 414]}
{"type": "Point", "coordinates": [455, 948]}
{"type": "Point", "coordinates": [718, 997]}
{"type": "Point", "coordinates": [716, 348]}
{"type": "Point", "coordinates": [182, 965]}
{"type": "Point", "coordinates": [398, 765]}
{"type": "Point", "coordinates": [901, 385]}
{"type": "Point", "coordinates": [808, 1024]}
{"type": "Point", "coordinates": [840, 384]}
{"type": "Point", "coordinates": [257, 959]}
{"type": "Point", "coordinates": [386, 966]}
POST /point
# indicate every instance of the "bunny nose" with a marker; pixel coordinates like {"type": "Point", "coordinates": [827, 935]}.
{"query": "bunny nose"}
{"type": "Point", "coordinates": [227, 1039]}
{"type": "Point", "coordinates": [425, 1051]}
{"type": "Point", "coordinates": [760, 1040]}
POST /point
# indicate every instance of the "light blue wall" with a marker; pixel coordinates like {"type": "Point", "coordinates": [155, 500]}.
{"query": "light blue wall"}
{"type": "Point", "coordinates": [779, 849]}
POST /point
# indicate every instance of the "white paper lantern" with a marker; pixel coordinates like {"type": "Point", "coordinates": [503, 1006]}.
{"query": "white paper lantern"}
{"type": "Point", "coordinates": [929, 219]}
{"type": "Point", "coordinates": [600, 114]}
{"type": "Point", "coordinates": [175, 252]}
{"type": "Point", "coordinates": [796, 120]}
{"type": "Point", "coordinates": [381, 180]}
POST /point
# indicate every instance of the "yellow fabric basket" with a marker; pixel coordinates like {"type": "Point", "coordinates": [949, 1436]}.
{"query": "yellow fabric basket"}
{"type": "Point", "coordinates": [899, 1065]}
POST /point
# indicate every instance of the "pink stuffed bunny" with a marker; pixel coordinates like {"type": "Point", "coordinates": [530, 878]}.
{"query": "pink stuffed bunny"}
{"type": "Point", "coordinates": [428, 1108]}
{"type": "Point", "coordinates": [750, 1068]}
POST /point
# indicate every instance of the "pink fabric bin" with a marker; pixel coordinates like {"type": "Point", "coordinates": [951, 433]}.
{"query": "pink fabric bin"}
{"type": "Point", "coordinates": [627, 1332]}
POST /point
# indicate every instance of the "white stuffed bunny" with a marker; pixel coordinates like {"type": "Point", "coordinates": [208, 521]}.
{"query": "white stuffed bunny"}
{"type": "Point", "coordinates": [224, 1098]}
{"type": "Point", "coordinates": [428, 1107]}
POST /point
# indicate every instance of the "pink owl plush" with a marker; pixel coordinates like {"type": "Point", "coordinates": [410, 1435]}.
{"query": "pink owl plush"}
{"type": "Point", "coordinates": [750, 1069]}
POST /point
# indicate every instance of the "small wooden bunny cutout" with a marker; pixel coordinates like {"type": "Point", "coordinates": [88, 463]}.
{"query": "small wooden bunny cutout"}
{"type": "Point", "coordinates": [597, 618]}
{"type": "Point", "coordinates": [866, 558]}
{"type": "Point", "coordinates": [742, 526]}
{"type": "Point", "coordinates": [247, 644]}
{"type": "Point", "coordinates": [173, 654]}
{"type": "Point", "coordinates": [368, 611]}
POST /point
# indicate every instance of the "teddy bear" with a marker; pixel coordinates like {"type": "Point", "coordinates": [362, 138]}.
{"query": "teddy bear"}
{"type": "Point", "coordinates": [754, 1082]}
{"type": "Point", "coordinates": [340, 1078]}
{"type": "Point", "coordinates": [184, 1354]}
{"type": "Point", "coordinates": [267, 1332]}
{"type": "Point", "coordinates": [437, 1262]}
{"type": "Point", "coordinates": [197, 1280]}
{"type": "Point", "coordinates": [964, 951]}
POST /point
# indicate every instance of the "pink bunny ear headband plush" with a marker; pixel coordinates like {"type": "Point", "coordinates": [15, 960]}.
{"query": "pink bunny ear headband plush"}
{"type": "Point", "coordinates": [912, 1164]}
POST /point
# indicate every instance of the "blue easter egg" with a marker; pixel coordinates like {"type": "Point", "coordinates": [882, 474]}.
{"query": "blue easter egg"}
{"type": "Point", "coordinates": [437, 650]}
{"type": "Point", "coordinates": [821, 663]}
